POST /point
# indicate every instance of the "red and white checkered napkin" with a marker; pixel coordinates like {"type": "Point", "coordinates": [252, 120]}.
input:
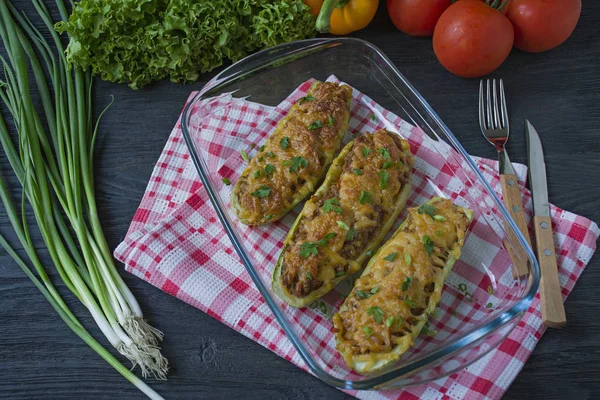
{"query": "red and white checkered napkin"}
{"type": "Point", "coordinates": [176, 243]}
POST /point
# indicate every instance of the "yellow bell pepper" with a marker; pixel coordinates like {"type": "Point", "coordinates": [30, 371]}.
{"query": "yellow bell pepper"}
{"type": "Point", "coordinates": [342, 17]}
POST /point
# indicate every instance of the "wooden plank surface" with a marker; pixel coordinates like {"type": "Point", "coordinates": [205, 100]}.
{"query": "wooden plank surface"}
{"type": "Point", "coordinates": [558, 91]}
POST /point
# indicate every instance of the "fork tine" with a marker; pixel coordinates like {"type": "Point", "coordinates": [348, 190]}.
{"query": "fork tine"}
{"type": "Point", "coordinates": [489, 106]}
{"type": "Point", "coordinates": [505, 123]}
{"type": "Point", "coordinates": [495, 105]}
{"type": "Point", "coordinates": [481, 107]}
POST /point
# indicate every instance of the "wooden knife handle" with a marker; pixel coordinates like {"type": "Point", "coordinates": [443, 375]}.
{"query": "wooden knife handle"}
{"type": "Point", "coordinates": [553, 309]}
{"type": "Point", "coordinates": [514, 205]}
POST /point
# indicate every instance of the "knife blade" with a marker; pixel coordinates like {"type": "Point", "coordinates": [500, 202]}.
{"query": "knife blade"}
{"type": "Point", "coordinates": [553, 309]}
{"type": "Point", "coordinates": [537, 171]}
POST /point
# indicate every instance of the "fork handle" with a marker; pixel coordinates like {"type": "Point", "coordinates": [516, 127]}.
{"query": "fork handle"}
{"type": "Point", "coordinates": [514, 205]}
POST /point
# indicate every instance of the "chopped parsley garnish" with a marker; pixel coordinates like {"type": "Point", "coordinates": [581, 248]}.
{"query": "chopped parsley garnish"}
{"type": "Point", "coordinates": [309, 275]}
{"type": "Point", "coordinates": [260, 159]}
{"type": "Point", "coordinates": [226, 181]}
{"type": "Point", "coordinates": [410, 303]}
{"type": "Point", "coordinates": [428, 330]}
{"type": "Point", "coordinates": [384, 177]}
{"type": "Point", "coordinates": [399, 321]}
{"type": "Point", "coordinates": [262, 148]}
{"type": "Point", "coordinates": [271, 154]}
{"type": "Point", "coordinates": [489, 305]}
{"type": "Point", "coordinates": [351, 235]}
{"type": "Point", "coordinates": [315, 125]}
{"type": "Point", "coordinates": [376, 313]}
{"type": "Point", "coordinates": [438, 233]}
{"type": "Point", "coordinates": [389, 321]}
{"type": "Point", "coordinates": [256, 174]}
{"type": "Point", "coordinates": [284, 142]}
{"type": "Point", "coordinates": [269, 169]}
{"type": "Point", "coordinates": [306, 98]}
{"type": "Point", "coordinates": [365, 151]}
{"type": "Point", "coordinates": [244, 155]}
{"type": "Point", "coordinates": [490, 290]}
{"type": "Point", "coordinates": [297, 163]}
{"type": "Point", "coordinates": [384, 153]}
{"type": "Point", "coordinates": [440, 218]}
{"type": "Point", "coordinates": [387, 164]}
{"type": "Point", "coordinates": [407, 283]}
{"type": "Point", "coordinates": [427, 209]}
{"type": "Point", "coordinates": [343, 225]}
{"type": "Point", "coordinates": [362, 294]}
{"type": "Point", "coordinates": [372, 117]}
{"type": "Point", "coordinates": [331, 120]}
{"type": "Point", "coordinates": [358, 171]}
{"type": "Point", "coordinates": [453, 312]}
{"type": "Point", "coordinates": [407, 259]}
{"type": "Point", "coordinates": [368, 331]}
{"type": "Point", "coordinates": [428, 244]}
{"type": "Point", "coordinates": [332, 205]}
{"type": "Point", "coordinates": [263, 191]}
{"type": "Point", "coordinates": [326, 239]}
{"type": "Point", "coordinates": [308, 249]}
{"type": "Point", "coordinates": [390, 257]}
{"type": "Point", "coordinates": [340, 273]}
{"type": "Point", "coordinates": [323, 307]}
{"type": "Point", "coordinates": [269, 217]}
{"type": "Point", "coordinates": [365, 197]}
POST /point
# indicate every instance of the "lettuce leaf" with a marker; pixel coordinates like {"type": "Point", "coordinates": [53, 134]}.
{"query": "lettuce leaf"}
{"type": "Point", "coordinates": [141, 41]}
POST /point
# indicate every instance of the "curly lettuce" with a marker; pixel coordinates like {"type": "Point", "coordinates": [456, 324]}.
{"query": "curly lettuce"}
{"type": "Point", "coordinates": [142, 41]}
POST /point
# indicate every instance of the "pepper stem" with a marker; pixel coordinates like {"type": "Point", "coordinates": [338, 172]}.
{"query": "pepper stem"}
{"type": "Point", "coordinates": [322, 24]}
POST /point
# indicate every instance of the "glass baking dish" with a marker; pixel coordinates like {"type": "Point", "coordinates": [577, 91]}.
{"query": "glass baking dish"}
{"type": "Point", "coordinates": [486, 299]}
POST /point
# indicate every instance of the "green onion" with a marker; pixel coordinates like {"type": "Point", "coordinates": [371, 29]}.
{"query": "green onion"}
{"type": "Point", "coordinates": [376, 313]}
{"type": "Point", "coordinates": [391, 256]}
{"type": "Point", "coordinates": [54, 165]}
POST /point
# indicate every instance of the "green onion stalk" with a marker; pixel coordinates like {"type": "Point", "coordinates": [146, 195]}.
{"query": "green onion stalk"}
{"type": "Point", "coordinates": [52, 157]}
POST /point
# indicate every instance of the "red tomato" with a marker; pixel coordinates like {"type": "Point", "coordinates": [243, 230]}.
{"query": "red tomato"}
{"type": "Point", "coordinates": [542, 25]}
{"type": "Point", "coordinates": [416, 17]}
{"type": "Point", "coordinates": [472, 39]}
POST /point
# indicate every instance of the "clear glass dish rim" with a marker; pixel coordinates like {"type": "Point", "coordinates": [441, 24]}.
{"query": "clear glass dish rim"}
{"type": "Point", "coordinates": [223, 79]}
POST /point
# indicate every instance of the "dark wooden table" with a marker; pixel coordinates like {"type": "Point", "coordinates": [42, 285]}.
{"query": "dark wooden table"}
{"type": "Point", "coordinates": [559, 91]}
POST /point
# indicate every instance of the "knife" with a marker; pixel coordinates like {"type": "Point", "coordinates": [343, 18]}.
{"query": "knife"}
{"type": "Point", "coordinates": [553, 309]}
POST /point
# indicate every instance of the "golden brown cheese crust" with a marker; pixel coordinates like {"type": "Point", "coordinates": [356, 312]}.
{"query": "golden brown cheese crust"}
{"type": "Point", "coordinates": [337, 227]}
{"type": "Point", "coordinates": [384, 303]}
{"type": "Point", "coordinates": [296, 156]}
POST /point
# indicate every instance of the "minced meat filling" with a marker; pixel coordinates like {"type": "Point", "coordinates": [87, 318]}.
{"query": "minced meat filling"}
{"type": "Point", "coordinates": [337, 226]}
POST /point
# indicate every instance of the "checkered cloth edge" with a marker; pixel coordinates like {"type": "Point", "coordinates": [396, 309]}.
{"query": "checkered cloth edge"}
{"type": "Point", "coordinates": [176, 243]}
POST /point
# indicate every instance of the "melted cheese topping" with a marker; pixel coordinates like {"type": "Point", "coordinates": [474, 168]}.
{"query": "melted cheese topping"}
{"type": "Point", "coordinates": [337, 226]}
{"type": "Point", "coordinates": [295, 156]}
{"type": "Point", "coordinates": [402, 285]}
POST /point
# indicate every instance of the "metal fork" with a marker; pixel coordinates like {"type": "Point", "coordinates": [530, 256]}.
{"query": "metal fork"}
{"type": "Point", "coordinates": [493, 120]}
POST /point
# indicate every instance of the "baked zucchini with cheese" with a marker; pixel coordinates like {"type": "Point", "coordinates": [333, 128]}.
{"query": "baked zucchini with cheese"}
{"type": "Point", "coordinates": [346, 219]}
{"type": "Point", "coordinates": [401, 286]}
{"type": "Point", "coordinates": [295, 156]}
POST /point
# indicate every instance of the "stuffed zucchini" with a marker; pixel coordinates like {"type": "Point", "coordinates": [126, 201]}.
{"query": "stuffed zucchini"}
{"type": "Point", "coordinates": [346, 219]}
{"type": "Point", "coordinates": [295, 157]}
{"type": "Point", "coordinates": [400, 287]}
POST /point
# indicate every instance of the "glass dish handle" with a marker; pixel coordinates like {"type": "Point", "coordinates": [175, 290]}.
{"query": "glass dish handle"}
{"type": "Point", "coordinates": [271, 57]}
